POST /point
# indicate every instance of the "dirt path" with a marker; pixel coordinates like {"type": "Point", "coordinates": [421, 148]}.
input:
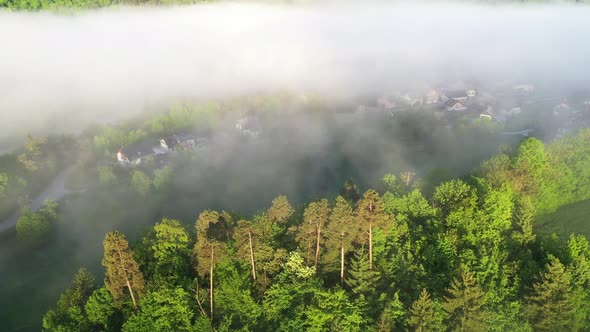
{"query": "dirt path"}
{"type": "Point", "coordinates": [55, 191]}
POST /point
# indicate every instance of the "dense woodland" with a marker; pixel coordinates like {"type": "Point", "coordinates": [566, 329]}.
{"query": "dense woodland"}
{"type": "Point", "coordinates": [464, 255]}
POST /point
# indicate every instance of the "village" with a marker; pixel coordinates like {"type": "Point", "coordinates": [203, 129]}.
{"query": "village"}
{"type": "Point", "coordinates": [501, 104]}
{"type": "Point", "coordinates": [505, 105]}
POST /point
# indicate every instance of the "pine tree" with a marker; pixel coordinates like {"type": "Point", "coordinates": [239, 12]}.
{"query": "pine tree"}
{"type": "Point", "coordinates": [309, 234]}
{"type": "Point", "coordinates": [523, 218]}
{"type": "Point", "coordinates": [422, 315]}
{"type": "Point", "coordinates": [465, 304]}
{"type": "Point", "coordinates": [552, 305]}
{"type": "Point", "coordinates": [281, 210]}
{"type": "Point", "coordinates": [361, 279]}
{"type": "Point", "coordinates": [122, 271]}
{"type": "Point", "coordinates": [244, 238]}
{"type": "Point", "coordinates": [370, 213]}
{"type": "Point", "coordinates": [340, 233]}
{"type": "Point", "coordinates": [212, 229]}
{"type": "Point", "coordinates": [350, 192]}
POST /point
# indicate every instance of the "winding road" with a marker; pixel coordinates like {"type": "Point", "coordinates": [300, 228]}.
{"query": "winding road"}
{"type": "Point", "coordinates": [55, 191]}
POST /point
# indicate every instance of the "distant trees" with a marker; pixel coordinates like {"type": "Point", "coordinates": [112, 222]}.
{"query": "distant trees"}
{"type": "Point", "coordinates": [141, 182]}
{"type": "Point", "coordinates": [34, 228]}
{"type": "Point", "coordinates": [3, 183]}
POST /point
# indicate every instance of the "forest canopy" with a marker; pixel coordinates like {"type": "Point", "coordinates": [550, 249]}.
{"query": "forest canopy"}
{"type": "Point", "coordinates": [465, 256]}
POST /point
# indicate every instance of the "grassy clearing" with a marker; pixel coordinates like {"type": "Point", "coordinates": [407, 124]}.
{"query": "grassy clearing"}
{"type": "Point", "coordinates": [573, 218]}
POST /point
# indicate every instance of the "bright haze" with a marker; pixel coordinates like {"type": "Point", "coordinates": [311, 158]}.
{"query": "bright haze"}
{"type": "Point", "coordinates": [62, 71]}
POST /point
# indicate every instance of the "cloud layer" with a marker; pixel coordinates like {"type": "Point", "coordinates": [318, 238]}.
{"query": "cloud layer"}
{"type": "Point", "coordinates": [60, 71]}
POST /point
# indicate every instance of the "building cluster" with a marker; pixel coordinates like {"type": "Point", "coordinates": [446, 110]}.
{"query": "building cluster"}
{"type": "Point", "coordinates": [135, 154]}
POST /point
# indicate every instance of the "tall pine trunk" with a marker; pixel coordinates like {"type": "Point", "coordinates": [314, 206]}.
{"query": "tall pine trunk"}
{"type": "Point", "coordinates": [127, 280]}
{"type": "Point", "coordinates": [341, 260]}
{"type": "Point", "coordinates": [131, 293]}
{"type": "Point", "coordinates": [252, 255]}
{"type": "Point", "coordinates": [317, 247]}
{"type": "Point", "coordinates": [370, 246]}
{"type": "Point", "coordinates": [211, 286]}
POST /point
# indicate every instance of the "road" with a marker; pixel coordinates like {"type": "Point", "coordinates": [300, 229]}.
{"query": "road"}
{"type": "Point", "coordinates": [55, 191]}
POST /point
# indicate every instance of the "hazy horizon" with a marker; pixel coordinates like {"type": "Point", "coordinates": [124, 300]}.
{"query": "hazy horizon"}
{"type": "Point", "coordinates": [108, 63]}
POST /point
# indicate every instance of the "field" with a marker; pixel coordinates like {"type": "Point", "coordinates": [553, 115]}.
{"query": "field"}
{"type": "Point", "coordinates": [574, 218]}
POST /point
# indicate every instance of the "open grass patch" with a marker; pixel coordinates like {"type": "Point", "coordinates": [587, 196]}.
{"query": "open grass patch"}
{"type": "Point", "coordinates": [573, 218]}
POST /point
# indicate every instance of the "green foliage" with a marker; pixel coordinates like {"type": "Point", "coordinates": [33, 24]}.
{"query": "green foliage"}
{"type": "Point", "coordinates": [162, 311]}
{"type": "Point", "coordinates": [33, 229]}
{"type": "Point", "coordinates": [552, 305]}
{"type": "Point", "coordinates": [106, 176]}
{"type": "Point", "coordinates": [169, 254]}
{"type": "Point", "coordinates": [465, 305]}
{"type": "Point", "coordinates": [484, 224]}
{"type": "Point", "coordinates": [350, 192]}
{"type": "Point", "coordinates": [100, 309]}
{"type": "Point", "coordinates": [141, 182]}
{"type": "Point", "coordinates": [423, 315]}
{"type": "Point", "coordinates": [112, 138]}
{"type": "Point", "coordinates": [163, 178]}
{"type": "Point", "coordinates": [181, 116]}
{"type": "Point", "coordinates": [122, 271]}
{"type": "Point", "coordinates": [281, 210]}
{"type": "Point", "coordinates": [69, 313]}
{"type": "Point", "coordinates": [3, 183]}
{"type": "Point", "coordinates": [361, 279]}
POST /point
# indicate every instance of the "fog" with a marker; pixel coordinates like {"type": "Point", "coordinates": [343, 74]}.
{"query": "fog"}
{"type": "Point", "coordinates": [59, 72]}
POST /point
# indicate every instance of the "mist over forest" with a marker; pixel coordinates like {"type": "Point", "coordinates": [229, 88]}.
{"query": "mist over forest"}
{"type": "Point", "coordinates": [340, 166]}
{"type": "Point", "coordinates": [111, 63]}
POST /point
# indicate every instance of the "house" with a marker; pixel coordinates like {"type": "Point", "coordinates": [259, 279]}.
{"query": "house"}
{"type": "Point", "coordinates": [454, 106]}
{"type": "Point", "coordinates": [134, 153]}
{"type": "Point", "coordinates": [180, 140]}
{"type": "Point", "coordinates": [457, 95]}
{"type": "Point", "coordinates": [186, 140]}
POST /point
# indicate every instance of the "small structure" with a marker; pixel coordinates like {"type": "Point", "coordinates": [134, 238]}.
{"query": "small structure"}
{"type": "Point", "coordinates": [454, 106]}
{"type": "Point", "coordinates": [471, 93]}
{"type": "Point", "coordinates": [133, 154]}
{"type": "Point", "coordinates": [457, 95]}
{"type": "Point", "coordinates": [486, 115]}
